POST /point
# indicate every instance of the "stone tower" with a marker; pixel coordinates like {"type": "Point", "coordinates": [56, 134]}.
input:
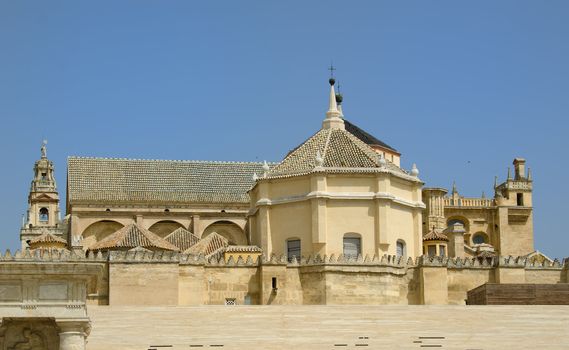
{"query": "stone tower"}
{"type": "Point", "coordinates": [43, 202]}
{"type": "Point", "coordinates": [514, 217]}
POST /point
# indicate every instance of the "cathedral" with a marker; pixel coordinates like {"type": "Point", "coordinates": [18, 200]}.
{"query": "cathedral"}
{"type": "Point", "coordinates": [337, 221]}
{"type": "Point", "coordinates": [341, 192]}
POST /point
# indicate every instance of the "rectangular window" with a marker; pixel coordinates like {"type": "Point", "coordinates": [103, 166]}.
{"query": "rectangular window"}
{"type": "Point", "coordinates": [293, 249]}
{"type": "Point", "coordinates": [520, 197]}
{"type": "Point", "coordinates": [442, 250]}
{"type": "Point", "coordinates": [432, 250]}
{"type": "Point", "coordinates": [352, 247]}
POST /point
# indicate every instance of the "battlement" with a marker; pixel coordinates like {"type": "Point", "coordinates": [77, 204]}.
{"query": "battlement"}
{"type": "Point", "coordinates": [279, 260]}
{"type": "Point", "coordinates": [54, 255]}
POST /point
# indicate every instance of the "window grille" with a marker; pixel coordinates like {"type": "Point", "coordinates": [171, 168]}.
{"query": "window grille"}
{"type": "Point", "coordinates": [352, 246]}
{"type": "Point", "coordinates": [293, 249]}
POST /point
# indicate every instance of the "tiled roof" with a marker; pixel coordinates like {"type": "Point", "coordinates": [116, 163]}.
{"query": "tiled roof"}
{"type": "Point", "coordinates": [435, 235]}
{"type": "Point", "coordinates": [365, 136]}
{"type": "Point", "coordinates": [112, 180]}
{"type": "Point", "coordinates": [339, 149]}
{"type": "Point", "coordinates": [243, 249]}
{"type": "Point", "coordinates": [47, 237]}
{"type": "Point", "coordinates": [133, 236]}
{"type": "Point", "coordinates": [209, 245]}
{"type": "Point", "coordinates": [182, 238]}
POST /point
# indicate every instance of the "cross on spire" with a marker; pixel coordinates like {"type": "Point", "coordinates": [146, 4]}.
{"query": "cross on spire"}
{"type": "Point", "coordinates": [331, 69]}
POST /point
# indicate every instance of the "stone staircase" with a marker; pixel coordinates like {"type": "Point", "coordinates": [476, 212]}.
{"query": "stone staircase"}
{"type": "Point", "coordinates": [329, 327]}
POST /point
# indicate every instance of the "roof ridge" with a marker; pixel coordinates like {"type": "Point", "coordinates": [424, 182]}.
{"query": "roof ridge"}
{"type": "Point", "coordinates": [167, 160]}
{"type": "Point", "coordinates": [326, 144]}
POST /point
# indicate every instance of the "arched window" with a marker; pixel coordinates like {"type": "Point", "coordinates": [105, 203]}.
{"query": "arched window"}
{"type": "Point", "coordinates": [44, 215]}
{"type": "Point", "coordinates": [401, 248]}
{"type": "Point", "coordinates": [479, 238]}
{"type": "Point", "coordinates": [352, 245]}
{"type": "Point", "coordinates": [293, 249]}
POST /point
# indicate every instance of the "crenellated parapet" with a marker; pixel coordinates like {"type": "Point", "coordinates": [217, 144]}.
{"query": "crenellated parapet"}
{"type": "Point", "coordinates": [54, 255]}
{"type": "Point", "coordinates": [141, 256]}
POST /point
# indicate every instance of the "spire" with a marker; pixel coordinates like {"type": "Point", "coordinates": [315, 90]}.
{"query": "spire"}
{"type": "Point", "coordinates": [509, 175]}
{"type": "Point", "coordinates": [333, 116]}
{"type": "Point", "coordinates": [454, 191]}
{"type": "Point", "coordinates": [332, 106]}
{"type": "Point", "coordinates": [495, 182]}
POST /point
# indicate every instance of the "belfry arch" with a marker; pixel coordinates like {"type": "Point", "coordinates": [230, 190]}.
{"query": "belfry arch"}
{"type": "Point", "coordinates": [229, 230]}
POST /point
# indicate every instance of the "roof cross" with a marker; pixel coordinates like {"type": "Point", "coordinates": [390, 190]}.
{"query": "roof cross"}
{"type": "Point", "coordinates": [331, 69]}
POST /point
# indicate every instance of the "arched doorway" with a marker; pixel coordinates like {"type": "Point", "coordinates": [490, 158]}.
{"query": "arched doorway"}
{"type": "Point", "coordinates": [98, 231]}
{"type": "Point", "coordinates": [164, 228]}
{"type": "Point", "coordinates": [229, 230]}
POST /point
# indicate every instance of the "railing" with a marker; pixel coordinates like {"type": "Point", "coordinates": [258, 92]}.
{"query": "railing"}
{"type": "Point", "coordinates": [468, 202]}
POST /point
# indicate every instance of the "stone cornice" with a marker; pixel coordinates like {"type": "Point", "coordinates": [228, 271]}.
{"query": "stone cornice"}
{"type": "Point", "coordinates": [343, 196]}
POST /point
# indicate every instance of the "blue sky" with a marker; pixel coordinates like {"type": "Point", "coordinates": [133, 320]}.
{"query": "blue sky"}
{"type": "Point", "coordinates": [459, 87]}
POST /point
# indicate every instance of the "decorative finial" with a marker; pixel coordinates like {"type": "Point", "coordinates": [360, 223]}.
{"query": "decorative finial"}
{"type": "Point", "coordinates": [454, 187]}
{"type": "Point", "coordinates": [414, 170]}
{"type": "Point", "coordinates": [495, 182]}
{"type": "Point", "coordinates": [332, 69]}
{"type": "Point", "coordinates": [339, 99]}
{"type": "Point", "coordinates": [44, 149]}
{"type": "Point", "coordinates": [509, 175]}
{"type": "Point", "coordinates": [255, 177]}
{"type": "Point", "coordinates": [483, 195]}
{"type": "Point", "coordinates": [319, 159]}
{"type": "Point", "coordinates": [266, 168]}
{"type": "Point", "coordinates": [529, 174]}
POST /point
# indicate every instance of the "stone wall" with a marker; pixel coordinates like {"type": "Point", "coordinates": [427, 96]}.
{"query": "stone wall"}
{"type": "Point", "coordinates": [166, 278]}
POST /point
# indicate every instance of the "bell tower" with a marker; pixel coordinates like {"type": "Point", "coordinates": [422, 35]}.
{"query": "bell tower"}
{"type": "Point", "coordinates": [514, 215]}
{"type": "Point", "coordinates": [43, 202]}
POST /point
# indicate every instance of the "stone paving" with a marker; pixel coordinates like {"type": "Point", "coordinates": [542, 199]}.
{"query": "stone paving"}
{"type": "Point", "coordinates": [329, 327]}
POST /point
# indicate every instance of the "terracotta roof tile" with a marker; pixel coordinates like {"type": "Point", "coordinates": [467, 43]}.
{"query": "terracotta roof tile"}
{"type": "Point", "coordinates": [112, 180]}
{"type": "Point", "coordinates": [182, 238]}
{"type": "Point", "coordinates": [133, 236]}
{"type": "Point", "coordinates": [338, 148]}
{"type": "Point", "coordinates": [435, 235]}
{"type": "Point", "coordinates": [47, 237]}
{"type": "Point", "coordinates": [209, 245]}
{"type": "Point", "coordinates": [243, 249]}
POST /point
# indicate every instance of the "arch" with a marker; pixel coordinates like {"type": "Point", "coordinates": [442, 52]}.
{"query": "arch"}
{"type": "Point", "coordinates": [98, 231]}
{"type": "Point", "coordinates": [352, 244]}
{"type": "Point", "coordinates": [461, 219]}
{"type": "Point", "coordinates": [479, 238]}
{"type": "Point", "coordinates": [165, 227]}
{"type": "Point", "coordinates": [401, 248]}
{"type": "Point", "coordinates": [233, 232]}
{"type": "Point", "coordinates": [43, 215]}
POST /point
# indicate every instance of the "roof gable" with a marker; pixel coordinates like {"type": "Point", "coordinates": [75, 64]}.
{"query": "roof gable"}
{"type": "Point", "coordinates": [133, 236]}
